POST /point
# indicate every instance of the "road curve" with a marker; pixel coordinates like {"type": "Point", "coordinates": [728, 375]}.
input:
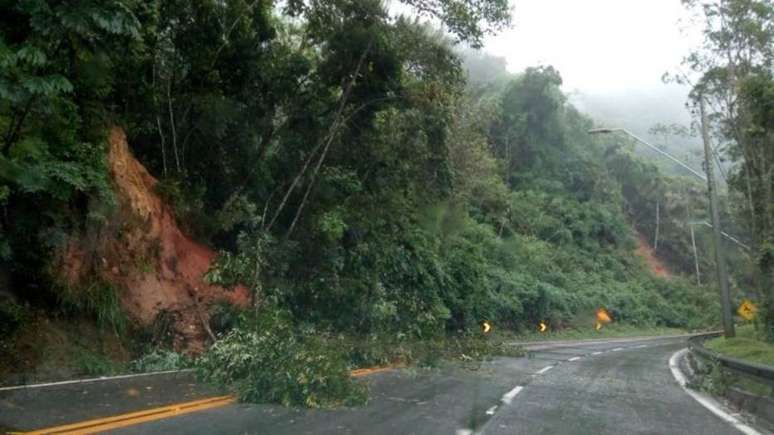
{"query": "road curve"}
{"type": "Point", "coordinates": [615, 387]}
{"type": "Point", "coordinates": [602, 387]}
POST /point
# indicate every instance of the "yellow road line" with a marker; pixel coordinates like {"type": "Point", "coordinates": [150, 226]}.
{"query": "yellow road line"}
{"type": "Point", "coordinates": [133, 418]}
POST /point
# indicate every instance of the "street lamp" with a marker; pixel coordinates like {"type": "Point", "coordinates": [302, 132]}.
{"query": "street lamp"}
{"type": "Point", "coordinates": [676, 160]}
{"type": "Point", "coordinates": [654, 148]}
{"type": "Point", "coordinates": [725, 298]}
{"type": "Point", "coordinates": [733, 239]}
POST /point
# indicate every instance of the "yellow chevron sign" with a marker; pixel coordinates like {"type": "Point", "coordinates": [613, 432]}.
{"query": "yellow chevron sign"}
{"type": "Point", "coordinates": [747, 310]}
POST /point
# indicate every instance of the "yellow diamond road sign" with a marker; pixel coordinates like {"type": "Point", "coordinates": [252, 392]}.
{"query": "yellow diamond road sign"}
{"type": "Point", "coordinates": [747, 310]}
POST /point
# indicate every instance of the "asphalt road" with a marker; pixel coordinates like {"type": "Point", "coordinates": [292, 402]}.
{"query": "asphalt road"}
{"type": "Point", "coordinates": [619, 387]}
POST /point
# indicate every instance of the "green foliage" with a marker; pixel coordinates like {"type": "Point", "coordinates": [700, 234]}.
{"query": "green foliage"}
{"type": "Point", "coordinates": [531, 107]}
{"type": "Point", "coordinates": [13, 317]}
{"type": "Point", "coordinates": [54, 78]}
{"type": "Point", "coordinates": [380, 253]}
{"type": "Point", "coordinates": [99, 300]}
{"type": "Point", "coordinates": [224, 317]}
{"type": "Point", "coordinates": [734, 64]}
{"type": "Point", "coordinates": [159, 360]}
{"type": "Point", "coordinates": [267, 360]}
{"type": "Point", "coordinates": [756, 177]}
{"type": "Point", "coordinates": [714, 379]}
{"type": "Point", "coordinates": [470, 21]}
{"type": "Point", "coordinates": [748, 345]}
{"type": "Point", "coordinates": [90, 363]}
{"type": "Point", "coordinates": [244, 267]}
{"type": "Point", "coordinates": [188, 203]}
{"type": "Point", "coordinates": [336, 159]}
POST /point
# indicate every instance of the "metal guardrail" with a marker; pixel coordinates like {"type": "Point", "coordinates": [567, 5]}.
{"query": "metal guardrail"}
{"type": "Point", "coordinates": [760, 371]}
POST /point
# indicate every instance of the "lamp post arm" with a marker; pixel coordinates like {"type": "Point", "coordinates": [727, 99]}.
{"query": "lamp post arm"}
{"type": "Point", "coordinates": [663, 153]}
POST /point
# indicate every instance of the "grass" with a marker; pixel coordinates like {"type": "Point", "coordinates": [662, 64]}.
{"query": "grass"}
{"type": "Point", "coordinates": [91, 363]}
{"type": "Point", "coordinates": [609, 331]}
{"type": "Point", "coordinates": [47, 348]}
{"type": "Point", "coordinates": [36, 346]}
{"type": "Point", "coordinates": [99, 300]}
{"type": "Point", "coordinates": [159, 360]}
{"type": "Point", "coordinates": [747, 345]}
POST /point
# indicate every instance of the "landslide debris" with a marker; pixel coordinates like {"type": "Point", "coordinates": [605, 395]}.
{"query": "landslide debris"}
{"type": "Point", "coordinates": [141, 251]}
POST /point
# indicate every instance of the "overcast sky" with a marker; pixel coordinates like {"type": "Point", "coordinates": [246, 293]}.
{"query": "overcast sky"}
{"type": "Point", "coordinates": [598, 45]}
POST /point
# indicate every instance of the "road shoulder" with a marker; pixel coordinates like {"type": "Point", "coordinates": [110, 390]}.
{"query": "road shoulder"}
{"type": "Point", "coordinates": [705, 400]}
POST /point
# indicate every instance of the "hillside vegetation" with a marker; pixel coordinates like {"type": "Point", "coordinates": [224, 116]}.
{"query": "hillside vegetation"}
{"type": "Point", "coordinates": [349, 176]}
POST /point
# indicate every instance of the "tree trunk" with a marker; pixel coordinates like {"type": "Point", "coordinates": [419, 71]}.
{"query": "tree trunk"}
{"type": "Point", "coordinates": [328, 140]}
{"type": "Point", "coordinates": [658, 222]}
{"type": "Point", "coordinates": [695, 256]}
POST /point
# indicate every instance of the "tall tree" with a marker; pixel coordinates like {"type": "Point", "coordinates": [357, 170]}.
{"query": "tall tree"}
{"type": "Point", "coordinates": [468, 20]}
{"type": "Point", "coordinates": [733, 64]}
{"type": "Point", "coordinates": [56, 75]}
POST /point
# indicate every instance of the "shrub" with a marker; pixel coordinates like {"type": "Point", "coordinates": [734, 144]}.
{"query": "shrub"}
{"type": "Point", "coordinates": [224, 317]}
{"type": "Point", "coordinates": [265, 360]}
{"type": "Point", "coordinates": [94, 364]}
{"type": "Point", "coordinates": [159, 360]}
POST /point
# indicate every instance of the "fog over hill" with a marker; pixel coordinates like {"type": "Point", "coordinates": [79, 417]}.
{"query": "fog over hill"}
{"type": "Point", "coordinates": [636, 109]}
{"type": "Point", "coordinates": [639, 110]}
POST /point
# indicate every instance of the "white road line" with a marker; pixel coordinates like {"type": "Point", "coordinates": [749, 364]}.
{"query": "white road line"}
{"type": "Point", "coordinates": [597, 353]}
{"type": "Point", "coordinates": [575, 358]}
{"type": "Point", "coordinates": [88, 380]}
{"type": "Point", "coordinates": [508, 397]}
{"type": "Point", "coordinates": [640, 346]}
{"type": "Point", "coordinates": [704, 400]}
{"type": "Point", "coordinates": [544, 369]}
{"type": "Point", "coordinates": [491, 410]}
{"type": "Point", "coordinates": [464, 432]}
{"type": "Point", "coordinates": [617, 349]}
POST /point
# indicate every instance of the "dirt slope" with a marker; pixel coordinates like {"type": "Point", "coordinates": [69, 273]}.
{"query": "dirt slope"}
{"type": "Point", "coordinates": [142, 252]}
{"type": "Point", "coordinates": [655, 265]}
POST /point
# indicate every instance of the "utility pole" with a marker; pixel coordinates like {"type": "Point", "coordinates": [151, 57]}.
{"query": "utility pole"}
{"type": "Point", "coordinates": [725, 296]}
{"type": "Point", "coordinates": [695, 256]}
{"type": "Point", "coordinates": [658, 219]}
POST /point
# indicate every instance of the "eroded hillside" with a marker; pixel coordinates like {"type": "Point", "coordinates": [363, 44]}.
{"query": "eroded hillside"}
{"type": "Point", "coordinates": [143, 253]}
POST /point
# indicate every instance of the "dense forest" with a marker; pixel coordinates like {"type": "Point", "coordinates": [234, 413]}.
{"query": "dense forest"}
{"type": "Point", "coordinates": [344, 165]}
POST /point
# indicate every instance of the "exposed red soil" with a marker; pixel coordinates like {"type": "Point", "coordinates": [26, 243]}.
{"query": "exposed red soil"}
{"type": "Point", "coordinates": [142, 251]}
{"type": "Point", "coordinates": [647, 253]}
